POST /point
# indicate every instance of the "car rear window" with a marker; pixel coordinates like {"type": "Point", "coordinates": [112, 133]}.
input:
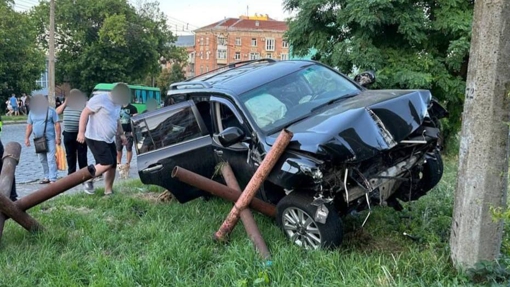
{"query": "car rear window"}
{"type": "Point", "coordinates": [166, 129]}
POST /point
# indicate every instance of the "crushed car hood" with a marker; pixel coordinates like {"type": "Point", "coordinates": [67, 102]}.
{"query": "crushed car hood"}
{"type": "Point", "coordinates": [360, 127]}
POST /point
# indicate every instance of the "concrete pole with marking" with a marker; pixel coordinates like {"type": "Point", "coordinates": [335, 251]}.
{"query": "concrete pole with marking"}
{"type": "Point", "coordinates": [483, 158]}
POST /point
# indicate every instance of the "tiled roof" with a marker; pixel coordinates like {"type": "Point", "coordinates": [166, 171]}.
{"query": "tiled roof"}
{"type": "Point", "coordinates": [246, 25]}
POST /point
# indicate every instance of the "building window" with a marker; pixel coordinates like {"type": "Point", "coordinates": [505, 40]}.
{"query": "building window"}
{"type": "Point", "coordinates": [207, 55]}
{"type": "Point", "coordinates": [254, 42]}
{"type": "Point", "coordinates": [269, 55]}
{"type": "Point", "coordinates": [222, 54]}
{"type": "Point", "coordinates": [237, 56]}
{"type": "Point", "coordinates": [43, 80]}
{"type": "Point", "coordinates": [201, 41]}
{"type": "Point", "coordinates": [207, 41]}
{"type": "Point", "coordinates": [207, 68]}
{"type": "Point", "coordinates": [284, 57]}
{"type": "Point", "coordinates": [285, 44]}
{"type": "Point", "coordinates": [270, 44]}
{"type": "Point", "coordinates": [238, 41]}
{"type": "Point", "coordinates": [201, 55]}
{"type": "Point", "coordinates": [201, 69]}
{"type": "Point", "coordinates": [222, 41]}
{"type": "Point", "coordinates": [254, 56]}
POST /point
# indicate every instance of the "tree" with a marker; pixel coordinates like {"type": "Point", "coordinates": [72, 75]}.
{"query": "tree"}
{"type": "Point", "coordinates": [22, 61]}
{"type": "Point", "coordinates": [169, 76]}
{"type": "Point", "coordinates": [409, 43]}
{"type": "Point", "coordinates": [106, 40]}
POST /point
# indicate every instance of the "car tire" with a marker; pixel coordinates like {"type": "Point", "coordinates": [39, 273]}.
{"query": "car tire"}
{"type": "Point", "coordinates": [432, 172]}
{"type": "Point", "coordinates": [295, 216]}
{"type": "Point", "coordinates": [427, 178]}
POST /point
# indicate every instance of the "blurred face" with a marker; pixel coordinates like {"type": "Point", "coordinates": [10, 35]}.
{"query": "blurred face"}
{"type": "Point", "coordinates": [39, 104]}
{"type": "Point", "coordinates": [152, 105]}
{"type": "Point", "coordinates": [120, 94]}
{"type": "Point", "coordinates": [76, 100]}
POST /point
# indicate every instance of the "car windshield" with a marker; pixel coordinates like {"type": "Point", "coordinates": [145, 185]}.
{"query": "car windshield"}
{"type": "Point", "coordinates": [290, 98]}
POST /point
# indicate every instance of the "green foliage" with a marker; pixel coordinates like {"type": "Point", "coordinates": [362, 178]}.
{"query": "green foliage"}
{"type": "Point", "coordinates": [410, 44]}
{"type": "Point", "coordinates": [169, 76]}
{"type": "Point", "coordinates": [21, 60]}
{"type": "Point", "coordinates": [106, 40]}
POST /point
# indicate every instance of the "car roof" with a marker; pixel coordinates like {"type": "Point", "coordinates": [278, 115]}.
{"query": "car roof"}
{"type": "Point", "coordinates": [236, 80]}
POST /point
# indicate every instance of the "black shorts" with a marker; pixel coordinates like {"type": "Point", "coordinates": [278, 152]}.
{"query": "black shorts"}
{"type": "Point", "coordinates": [104, 153]}
{"type": "Point", "coordinates": [129, 144]}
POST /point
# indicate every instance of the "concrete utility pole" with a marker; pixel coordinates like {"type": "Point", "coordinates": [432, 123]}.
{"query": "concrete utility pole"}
{"type": "Point", "coordinates": [51, 56]}
{"type": "Point", "coordinates": [483, 158]}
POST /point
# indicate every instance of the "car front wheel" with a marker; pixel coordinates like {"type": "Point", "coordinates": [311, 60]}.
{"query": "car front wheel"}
{"type": "Point", "coordinates": [296, 217]}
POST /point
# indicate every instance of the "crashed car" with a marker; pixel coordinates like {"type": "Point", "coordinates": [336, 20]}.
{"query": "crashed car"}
{"type": "Point", "coordinates": [352, 148]}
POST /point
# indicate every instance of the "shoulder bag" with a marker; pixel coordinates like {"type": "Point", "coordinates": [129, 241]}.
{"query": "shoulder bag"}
{"type": "Point", "coordinates": [40, 143]}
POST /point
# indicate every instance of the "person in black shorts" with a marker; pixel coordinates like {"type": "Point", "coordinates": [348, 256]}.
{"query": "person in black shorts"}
{"type": "Point", "coordinates": [99, 126]}
{"type": "Point", "coordinates": [126, 112]}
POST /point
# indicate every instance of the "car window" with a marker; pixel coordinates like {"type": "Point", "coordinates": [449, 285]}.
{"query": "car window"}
{"type": "Point", "coordinates": [226, 118]}
{"type": "Point", "coordinates": [166, 129]}
{"type": "Point", "coordinates": [280, 102]}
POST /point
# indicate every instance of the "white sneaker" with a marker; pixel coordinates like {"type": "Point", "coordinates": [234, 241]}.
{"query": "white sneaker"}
{"type": "Point", "coordinates": [88, 187]}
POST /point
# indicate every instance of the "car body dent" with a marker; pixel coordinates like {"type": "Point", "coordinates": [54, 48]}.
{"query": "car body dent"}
{"type": "Point", "coordinates": [358, 128]}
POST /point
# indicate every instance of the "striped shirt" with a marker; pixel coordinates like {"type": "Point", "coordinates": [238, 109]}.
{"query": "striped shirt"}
{"type": "Point", "coordinates": [71, 120]}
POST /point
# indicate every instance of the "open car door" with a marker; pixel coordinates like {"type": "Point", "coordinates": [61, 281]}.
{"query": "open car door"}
{"type": "Point", "coordinates": [173, 136]}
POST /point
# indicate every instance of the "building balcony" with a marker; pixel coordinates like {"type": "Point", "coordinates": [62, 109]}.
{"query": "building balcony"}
{"type": "Point", "coordinates": [221, 61]}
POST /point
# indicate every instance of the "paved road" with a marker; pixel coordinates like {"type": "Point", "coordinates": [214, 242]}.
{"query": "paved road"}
{"type": "Point", "coordinates": [29, 170]}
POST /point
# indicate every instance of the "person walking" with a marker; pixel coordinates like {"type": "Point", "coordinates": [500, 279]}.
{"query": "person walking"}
{"type": "Point", "coordinates": [27, 104]}
{"type": "Point", "coordinates": [14, 104]}
{"type": "Point", "coordinates": [126, 112]}
{"type": "Point", "coordinates": [24, 104]}
{"type": "Point", "coordinates": [43, 122]}
{"type": "Point", "coordinates": [13, 196]}
{"type": "Point", "coordinates": [72, 107]}
{"type": "Point", "coordinates": [99, 126]}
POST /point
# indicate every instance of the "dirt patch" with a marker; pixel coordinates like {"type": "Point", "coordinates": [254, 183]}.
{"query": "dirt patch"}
{"type": "Point", "coordinates": [363, 240]}
{"type": "Point", "coordinates": [166, 196]}
{"type": "Point", "coordinates": [80, 209]}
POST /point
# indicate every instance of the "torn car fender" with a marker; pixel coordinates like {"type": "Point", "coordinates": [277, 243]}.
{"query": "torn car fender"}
{"type": "Point", "coordinates": [296, 170]}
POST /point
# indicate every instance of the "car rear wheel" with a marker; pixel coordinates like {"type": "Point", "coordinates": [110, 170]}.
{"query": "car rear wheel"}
{"type": "Point", "coordinates": [295, 216]}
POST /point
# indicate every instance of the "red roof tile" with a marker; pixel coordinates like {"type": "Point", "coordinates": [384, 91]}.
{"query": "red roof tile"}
{"type": "Point", "coordinates": [247, 24]}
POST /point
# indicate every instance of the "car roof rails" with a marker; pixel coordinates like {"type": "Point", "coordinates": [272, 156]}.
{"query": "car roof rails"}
{"type": "Point", "coordinates": [202, 84]}
{"type": "Point", "coordinates": [227, 67]}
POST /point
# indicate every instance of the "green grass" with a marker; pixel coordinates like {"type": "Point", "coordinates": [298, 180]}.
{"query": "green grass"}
{"type": "Point", "coordinates": [14, 118]}
{"type": "Point", "coordinates": [131, 239]}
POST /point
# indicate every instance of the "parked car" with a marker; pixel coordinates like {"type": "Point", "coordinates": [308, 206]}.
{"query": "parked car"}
{"type": "Point", "coordinates": [352, 148]}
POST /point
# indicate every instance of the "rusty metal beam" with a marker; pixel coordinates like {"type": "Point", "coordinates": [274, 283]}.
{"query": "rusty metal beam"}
{"type": "Point", "coordinates": [254, 184]}
{"type": "Point", "coordinates": [10, 159]}
{"type": "Point", "coordinates": [56, 188]}
{"type": "Point", "coordinates": [220, 190]}
{"type": "Point", "coordinates": [246, 216]}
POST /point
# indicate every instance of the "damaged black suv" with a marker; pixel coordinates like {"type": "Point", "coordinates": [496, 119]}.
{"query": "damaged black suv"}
{"type": "Point", "coordinates": [352, 148]}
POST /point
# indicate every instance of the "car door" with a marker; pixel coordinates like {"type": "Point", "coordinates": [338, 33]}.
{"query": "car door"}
{"type": "Point", "coordinates": [225, 114]}
{"type": "Point", "coordinates": [169, 137]}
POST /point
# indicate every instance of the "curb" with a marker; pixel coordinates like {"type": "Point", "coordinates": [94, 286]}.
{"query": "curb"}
{"type": "Point", "coordinates": [14, 122]}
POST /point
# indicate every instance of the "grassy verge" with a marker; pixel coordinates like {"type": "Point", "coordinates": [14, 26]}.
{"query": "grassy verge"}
{"type": "Point", "coordinates": [131, 239]}
{"type": "Point", "coordinates": [14, 118]}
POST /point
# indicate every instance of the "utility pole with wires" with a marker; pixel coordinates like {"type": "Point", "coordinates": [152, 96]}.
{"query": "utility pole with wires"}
{"type": "Point", "coordinates": [51, 56]}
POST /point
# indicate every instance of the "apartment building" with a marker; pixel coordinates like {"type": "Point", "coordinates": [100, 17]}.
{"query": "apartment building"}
{"type": "Point", "coordinates": [239, 39]}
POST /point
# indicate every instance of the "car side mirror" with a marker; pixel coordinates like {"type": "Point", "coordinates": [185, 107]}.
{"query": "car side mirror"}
{"type": "Point", "coordinates": [231, 136]}
{"type": "Point", "coordinates": [365, 79]}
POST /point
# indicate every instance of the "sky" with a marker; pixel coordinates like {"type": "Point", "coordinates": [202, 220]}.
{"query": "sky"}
{"type": "Point", "coordinates": [199, 13]}
{"type": "Point", "coordinates": [189, 15]}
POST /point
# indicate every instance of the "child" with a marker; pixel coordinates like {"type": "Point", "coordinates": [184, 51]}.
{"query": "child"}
{"type": "Point", "coordinates": [99, 125]}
